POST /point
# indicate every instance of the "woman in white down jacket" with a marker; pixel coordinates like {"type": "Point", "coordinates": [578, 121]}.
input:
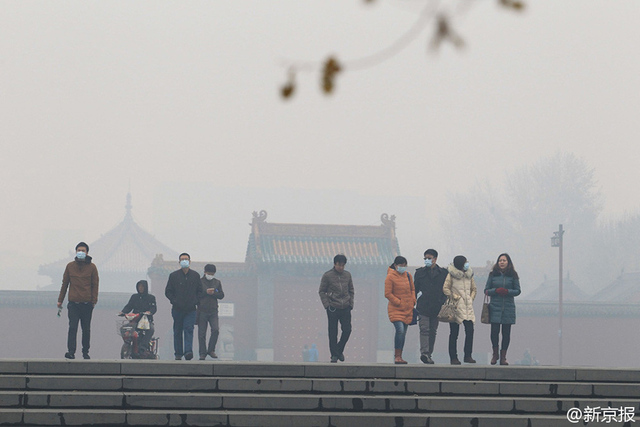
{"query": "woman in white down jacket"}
{"type": "Point", "coordinates": [460, 286]}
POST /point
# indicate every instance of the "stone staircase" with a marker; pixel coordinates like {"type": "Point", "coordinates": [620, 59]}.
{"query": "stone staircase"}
{"type": "Point", "coordinates": [180, 393]}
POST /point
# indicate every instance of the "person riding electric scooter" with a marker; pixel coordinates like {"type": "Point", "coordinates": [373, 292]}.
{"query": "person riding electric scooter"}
{"type": "Point", "coordinates": [144, 303]}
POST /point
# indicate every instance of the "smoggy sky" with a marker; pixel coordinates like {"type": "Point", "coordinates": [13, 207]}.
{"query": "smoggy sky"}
{"type": "Point", "coordinates": [97, 98]}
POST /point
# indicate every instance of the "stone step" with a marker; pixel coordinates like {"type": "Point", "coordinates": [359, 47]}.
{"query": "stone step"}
{"type": "Point", "coordinates": [307, 402]}
{"type": "Point", "coordinates": [318, 385]}
{"type": "Point", "coordinates": [316, 370]}
{"type": "Point", "coordinates": [77, 417]}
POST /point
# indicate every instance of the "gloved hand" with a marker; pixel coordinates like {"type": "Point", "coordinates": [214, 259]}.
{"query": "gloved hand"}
{"type": "Point", "coordinates": [502, 291]}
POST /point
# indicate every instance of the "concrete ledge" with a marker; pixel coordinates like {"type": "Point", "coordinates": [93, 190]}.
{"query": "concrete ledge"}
{"type": "Point", "coordinates": [608, 374]}
{"type": "Point", "coordinates": [73, 417]}
{"type": "Point", "coordinates": [332, 370]}
{"type": "Point", "coordinates": [162, 368]}
{"type": "Point", "coordinates": [11, 366]}
{"type": "Point", "coordinates": [470, 387]}
{"type": "Point", "coordinates": [162, 401]}
{"type": "Point", "coordinates": [237, 369]}
{"type": "Point", "coordinates": [77, 367]}
{"type": "Point", "coordinates": [531, 373]}
{"type": "Point", "coordinates": [69, 399]}
{"type": "Point", "coordinates": [440, 372]}
{"type": "Point", "coordinates": [266, 384]}
{"type": "Point", "coordinates": [58, 382]}
{"type": "Point", "coordinates": [12, 382]}
{"type": "Point", "coordinates": [176, 384]}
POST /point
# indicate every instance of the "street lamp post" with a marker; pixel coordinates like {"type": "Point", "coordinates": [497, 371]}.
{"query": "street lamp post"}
{"type": "Point", "coordinates": [556, 242]}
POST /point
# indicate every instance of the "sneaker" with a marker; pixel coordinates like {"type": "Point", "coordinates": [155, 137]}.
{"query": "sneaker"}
{"type": "Point", "coordinates": [188, 356]}
{"type": "Point", "coordinates": [213, 355]}
{"type": "Point", "coordinates": [455, 362]}
{"type": "Point", "coordinates": [425, 358]}
{"type": "Point", "coordinates": [334, 359]}
{"type": "Point", "coordinates": [178, 357]}
{"type": "Point", "coordinates": [341, 357]}
{"type": "Point", "coordinates": [469, 359]}
{"type": "Point", "coordinates": [203, 357]}
{"type": "Point", "coordinates": [68, 355]}
{"type": "Point", "coordinates": [85, 356]}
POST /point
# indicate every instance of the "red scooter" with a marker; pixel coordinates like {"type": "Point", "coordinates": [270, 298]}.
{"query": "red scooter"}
{"type": "Point", "coordinates": [128, 330]}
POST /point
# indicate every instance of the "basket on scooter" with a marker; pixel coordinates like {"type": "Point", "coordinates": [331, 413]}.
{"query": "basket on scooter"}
{"type": "Point", "coordinates": [124, 327]}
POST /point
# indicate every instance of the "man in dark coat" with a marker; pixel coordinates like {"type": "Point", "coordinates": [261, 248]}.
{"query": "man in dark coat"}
{"type": "Point", "coordinates": [429, 280]}
{"type": "Point", "coordinates": [142, 302]}
{"type": "Point", "coordinates": [337, 294]}
{"type": "Point", "coordinates": [207, 314]}
{"type": "Point", "coordinates": [183, 291]}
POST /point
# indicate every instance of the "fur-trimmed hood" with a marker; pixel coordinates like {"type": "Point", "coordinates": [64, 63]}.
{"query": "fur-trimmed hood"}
{"type": "Point", "coordinates": [459, 274]}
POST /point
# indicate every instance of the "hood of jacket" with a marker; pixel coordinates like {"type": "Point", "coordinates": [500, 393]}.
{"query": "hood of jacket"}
{"type": "Point", "coordinates": [459, 274]}
{"type": "Point", "coordinates": [145, 288]}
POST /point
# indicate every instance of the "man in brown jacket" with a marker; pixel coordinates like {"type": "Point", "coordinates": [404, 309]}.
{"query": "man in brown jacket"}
{"type": "Point", "coordinates": [81, 278]}
{"type": "Point", "coordinates": [336, 293]}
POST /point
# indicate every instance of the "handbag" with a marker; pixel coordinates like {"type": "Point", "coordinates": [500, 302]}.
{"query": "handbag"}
{"type": "Point", "coordinates": [448, 310]}
{"type": "Point", "coordinates": [486, 314]}
{"type": "Point", "coordinates": [414, 319]}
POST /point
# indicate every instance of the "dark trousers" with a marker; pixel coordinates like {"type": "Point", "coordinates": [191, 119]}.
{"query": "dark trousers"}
{"type": "Point", "coordinates": [342, 315]}
{"type": "Point", "coordinates": [144, 338]}
{"type": "Point", "coordinates": [453, 339]}
{"type": "Point", "coordinates": [79, 312]}
{"type": "Point", "coordinates": [183, 323]}
{"type": "Point", "coordinates": [204, 320]}
{"type": "Point", "coordinates": [506, 335]}
{"type": "Point", "coordinates": [428, 331]}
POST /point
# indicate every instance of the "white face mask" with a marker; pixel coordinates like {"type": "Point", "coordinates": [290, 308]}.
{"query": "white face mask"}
{"type": "Point", "coordinates": [208, 276]}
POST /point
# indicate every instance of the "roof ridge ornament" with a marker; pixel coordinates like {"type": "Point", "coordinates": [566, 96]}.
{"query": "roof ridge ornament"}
{"type": "Point", "coordinates": [259, 217]}
{"type": "Point", "coordinates": [388, 221]}
{"type": "Point", "coordinates": [128, 206]}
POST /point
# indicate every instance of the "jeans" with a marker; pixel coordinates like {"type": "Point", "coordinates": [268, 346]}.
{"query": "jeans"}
{"type": "Point", "coordinates": [79, 311]}
{"type": "Point", "coordinates": [453, 339]}
{"type": "Point", "coordinates": [342, 315]}
{"type": "Point", "coordinates": [428, 331]}
{"type": "Point", "coordinates": [506, 335]}
{"type": "Point", "coordinates": [183, 323]}
{"type": "Point", "coordinates": [204, 320]}
{"type": "Point", "coordinates": [401, 332]}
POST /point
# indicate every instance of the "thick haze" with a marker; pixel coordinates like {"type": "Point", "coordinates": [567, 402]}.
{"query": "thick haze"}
{"type": "Point", "coordinates": [178, 102]}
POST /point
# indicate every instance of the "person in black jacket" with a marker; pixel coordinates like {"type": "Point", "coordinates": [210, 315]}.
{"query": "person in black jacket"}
{"type": "Point", "coordinates": [207, 314]}
{"type": "Point", "coordinates": [429, 280]}
{"type": "Point", "coordinates": [183, 290]}
{"type": "Point", "coordinates": [142, 302]}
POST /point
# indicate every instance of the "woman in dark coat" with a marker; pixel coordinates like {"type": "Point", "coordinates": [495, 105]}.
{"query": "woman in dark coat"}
{"type": "Point", "coordinates": [503, 285]}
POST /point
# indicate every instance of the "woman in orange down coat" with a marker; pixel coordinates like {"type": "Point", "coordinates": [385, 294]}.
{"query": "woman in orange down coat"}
{"type": "Point", "coordinates": [400, 291]}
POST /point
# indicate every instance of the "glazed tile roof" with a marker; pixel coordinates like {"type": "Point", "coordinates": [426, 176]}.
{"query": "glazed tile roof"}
{"type": "Point", "coordinates": [317, 244]}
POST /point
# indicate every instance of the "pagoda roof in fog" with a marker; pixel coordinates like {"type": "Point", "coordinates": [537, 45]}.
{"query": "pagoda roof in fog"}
{"type": "Point", "coordinates": [317, 244]}
{"type": "Point", "coordinates": [625, 288]}
{"type": "Point", "coordinates": [548, 291]}
{"type": "Point", "coordinates": [126, 248]}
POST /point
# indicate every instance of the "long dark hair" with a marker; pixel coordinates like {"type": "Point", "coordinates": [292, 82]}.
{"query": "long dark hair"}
{"type": "Point", "coordinates": [509, 271]}
{"type": "Point", "coordinates": [399, 260]}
